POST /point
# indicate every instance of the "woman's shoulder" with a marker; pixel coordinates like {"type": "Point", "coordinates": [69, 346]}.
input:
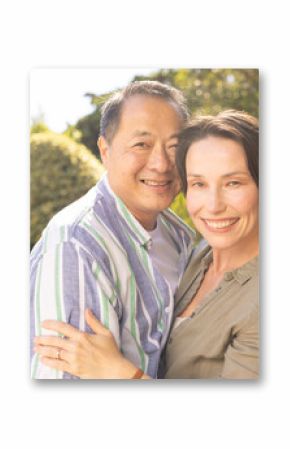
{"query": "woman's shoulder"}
{"type": "Point", "coordinates": [202, 253]}
{"type": "Point", "coordinates": [202, 256]}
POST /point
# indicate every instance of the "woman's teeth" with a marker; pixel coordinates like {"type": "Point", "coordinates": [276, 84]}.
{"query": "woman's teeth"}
{"type": "Point", "coordinates": [220, 224]}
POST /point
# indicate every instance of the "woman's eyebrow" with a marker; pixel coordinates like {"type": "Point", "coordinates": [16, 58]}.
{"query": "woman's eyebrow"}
{"type": "Point", "coordinates": [194, 175]}
{"type": "Point", "coordinates": [233, 173]}
{"type": "Point", "coordinates": [226, 175]}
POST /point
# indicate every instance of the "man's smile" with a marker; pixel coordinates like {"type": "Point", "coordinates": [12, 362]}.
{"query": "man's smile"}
{"type": "Point", "coordinates": [156, 183]}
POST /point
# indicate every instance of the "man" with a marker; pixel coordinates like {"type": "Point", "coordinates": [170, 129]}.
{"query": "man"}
{"type": "Point", "coordinates": [117, 250]}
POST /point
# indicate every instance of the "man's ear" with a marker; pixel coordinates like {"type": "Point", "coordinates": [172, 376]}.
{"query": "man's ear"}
{"type": "Point", "coordinates": [104, 150]}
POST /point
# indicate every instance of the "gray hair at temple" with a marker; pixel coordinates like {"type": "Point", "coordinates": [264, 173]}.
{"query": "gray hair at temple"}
{"type": "Point", "coordinates": [231, 124]}
{"type": "Point", "coordinates": [112, 108]}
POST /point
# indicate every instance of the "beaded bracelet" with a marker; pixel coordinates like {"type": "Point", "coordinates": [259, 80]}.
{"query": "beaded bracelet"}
{"type": "Point", "coordinates": [138, 374]}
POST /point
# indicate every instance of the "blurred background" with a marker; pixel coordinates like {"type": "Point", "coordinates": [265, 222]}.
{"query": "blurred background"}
{"type": "Point", "coordinates": [64, 124]}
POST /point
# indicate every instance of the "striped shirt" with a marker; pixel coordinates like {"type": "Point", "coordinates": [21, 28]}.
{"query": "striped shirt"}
{"type": "Point", "coordinates": [94, 254]}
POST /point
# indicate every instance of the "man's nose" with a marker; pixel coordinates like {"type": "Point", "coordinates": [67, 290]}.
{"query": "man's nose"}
{"type": "Point", "coordinates": [159, 159]}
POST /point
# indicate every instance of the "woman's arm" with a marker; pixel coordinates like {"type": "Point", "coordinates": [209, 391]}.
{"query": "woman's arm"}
{"type": "Point", "coordinates": [88, 356]}
{"type": "Point", "coordinates": [242, 355]}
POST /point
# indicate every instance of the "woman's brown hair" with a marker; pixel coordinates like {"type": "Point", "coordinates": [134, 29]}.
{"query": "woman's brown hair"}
{"type": "Point", "coordinates": [231, 124]}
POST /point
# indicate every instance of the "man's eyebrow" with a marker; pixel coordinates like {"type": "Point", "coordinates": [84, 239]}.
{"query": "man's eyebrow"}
{"type": "Point", "coordinates": [173, 136]}
{"type": "Point", "coordinates": [139, 133]}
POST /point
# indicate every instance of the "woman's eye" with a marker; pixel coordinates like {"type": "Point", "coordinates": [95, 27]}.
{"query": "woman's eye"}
{"type": "Point", "coordinates": [234, 183]}
{"type": "Point", "coordinates": [197, 184]}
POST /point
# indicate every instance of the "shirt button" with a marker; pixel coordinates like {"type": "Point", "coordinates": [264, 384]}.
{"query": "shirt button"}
{"type": "Point", "coordinates": [228, 276]}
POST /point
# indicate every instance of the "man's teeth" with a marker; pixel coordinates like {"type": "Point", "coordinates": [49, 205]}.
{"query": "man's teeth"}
{"type": "Point", "coordinates": [221, 224]}
{"type": "Point", "coordinates": [155, 183]}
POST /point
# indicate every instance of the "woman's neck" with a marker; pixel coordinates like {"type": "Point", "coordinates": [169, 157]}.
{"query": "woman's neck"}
{"type": "Point", "coordinates": [229, 259]}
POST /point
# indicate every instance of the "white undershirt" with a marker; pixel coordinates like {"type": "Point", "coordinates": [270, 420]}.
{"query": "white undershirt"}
{"type": "Point", "coordinates": [164, 255]}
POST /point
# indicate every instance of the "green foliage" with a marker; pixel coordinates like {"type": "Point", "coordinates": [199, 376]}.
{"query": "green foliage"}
{"type": "Point", "coordinates": [89, 129]}
{"type": "Point", "coordinates": [179, 207]}
{"type": "Point", "coordinates": [73, 133]}
{"type": "Point", "coordinates": [89, 126]}
{"type": "Point", "coordinates": [38, 124]}
{"type": "Point", "coordinates": [61, 171]}
{"type": "Point", "coordinates": [209, 91]}
{"type": "Point", "coordinates": [38, 127]}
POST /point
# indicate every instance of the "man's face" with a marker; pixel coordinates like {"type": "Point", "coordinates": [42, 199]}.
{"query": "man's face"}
{"type": "Point", "coordinates": [140, 160]}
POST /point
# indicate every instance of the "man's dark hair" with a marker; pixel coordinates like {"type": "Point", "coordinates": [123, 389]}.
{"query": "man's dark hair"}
{"type": "Point", "coordinates": [111, 110]}
{"type": "Point", "coordinates": [235, 125]}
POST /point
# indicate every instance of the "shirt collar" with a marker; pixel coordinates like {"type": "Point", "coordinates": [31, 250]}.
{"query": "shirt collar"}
{"type": "Point", "coordinates": [136, 229]}
{"type": "Point", "coordinates": [247, 271]}
{"type": "Point", "coordinates": [241, 274]}
{"type": "Point", "coordinates": [206, 261]}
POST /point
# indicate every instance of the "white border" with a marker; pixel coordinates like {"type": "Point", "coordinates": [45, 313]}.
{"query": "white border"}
{"type": "Point", "coordinates": [150, 34]}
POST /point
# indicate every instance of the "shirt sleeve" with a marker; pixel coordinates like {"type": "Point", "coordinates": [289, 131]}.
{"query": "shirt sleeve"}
{"type": "Point", "coordinates": [242, 355]}
{"type": "Point", "coordinates": [65, 281]}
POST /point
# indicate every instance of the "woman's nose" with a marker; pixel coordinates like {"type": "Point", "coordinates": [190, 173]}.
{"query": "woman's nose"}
{"type": "Point", "coordinates": [215, 201]}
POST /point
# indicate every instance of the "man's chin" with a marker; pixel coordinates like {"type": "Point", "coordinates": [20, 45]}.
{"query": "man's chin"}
{"type": "Point", "coordinates": [159, 205]}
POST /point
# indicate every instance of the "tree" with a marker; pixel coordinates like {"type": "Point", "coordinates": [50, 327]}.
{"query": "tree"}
{"type": "Point", "coordinates": [89, 125]}
{"type": "Point", "coordinates": [209, 91]}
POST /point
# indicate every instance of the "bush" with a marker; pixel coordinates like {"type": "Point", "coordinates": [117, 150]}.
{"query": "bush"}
{"type": "Point", "coordinates": [179, 207]}
{"type": "Point", "coordinates": [61, 172]}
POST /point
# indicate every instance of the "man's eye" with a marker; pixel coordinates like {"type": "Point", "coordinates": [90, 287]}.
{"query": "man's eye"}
{"type": "Point", "coordinates": [140, 144]}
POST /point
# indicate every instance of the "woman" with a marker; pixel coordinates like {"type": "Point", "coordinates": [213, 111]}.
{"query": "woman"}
{"type": "Point", "coordinates": [215, 333]}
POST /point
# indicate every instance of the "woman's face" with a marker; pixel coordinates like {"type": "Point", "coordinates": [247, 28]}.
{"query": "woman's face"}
{"type": "Point", "coordinates": [222, 197]}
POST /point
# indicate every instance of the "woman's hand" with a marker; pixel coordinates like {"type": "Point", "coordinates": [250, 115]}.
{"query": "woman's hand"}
{"type": "Point", "coordinates": [88, 356]}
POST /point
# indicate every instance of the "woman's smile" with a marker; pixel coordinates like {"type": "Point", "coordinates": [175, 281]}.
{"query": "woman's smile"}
{"type": "Point", "coordinates": [220, 225]}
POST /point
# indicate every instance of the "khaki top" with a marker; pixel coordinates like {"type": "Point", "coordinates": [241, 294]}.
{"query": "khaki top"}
{"type": "Point", "coordinates": [221, 338]}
